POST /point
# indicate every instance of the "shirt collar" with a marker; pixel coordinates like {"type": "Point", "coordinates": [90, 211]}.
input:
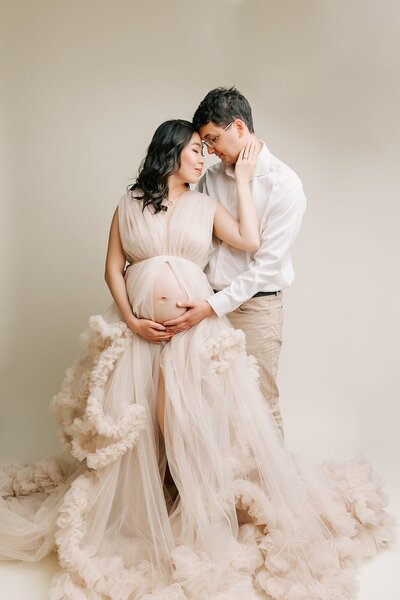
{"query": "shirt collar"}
{"type": "Point", "coordinates": [263, 163]}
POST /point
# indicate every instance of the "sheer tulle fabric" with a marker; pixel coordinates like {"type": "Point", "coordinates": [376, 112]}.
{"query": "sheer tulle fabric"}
{"type": "Point", "coordinates": [249, 516]}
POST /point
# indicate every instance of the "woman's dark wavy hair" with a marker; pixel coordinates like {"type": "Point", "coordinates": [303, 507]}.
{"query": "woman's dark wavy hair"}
{"type": "Point", "coordinates": [163, 158]}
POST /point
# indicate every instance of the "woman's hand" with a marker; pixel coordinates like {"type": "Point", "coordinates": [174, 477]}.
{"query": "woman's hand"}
{"type": "Point", "coordinates": [243, 233]}
{"type": "Point", "coordinates": [114, 276]}
{"type": "Point", "coordinates": [246, 163]}
{"type": "Point", "coordinates": [149, 330]}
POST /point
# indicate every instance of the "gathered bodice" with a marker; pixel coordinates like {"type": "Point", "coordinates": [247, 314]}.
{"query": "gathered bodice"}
{"type": "Point", "coordinates": [186, 233]}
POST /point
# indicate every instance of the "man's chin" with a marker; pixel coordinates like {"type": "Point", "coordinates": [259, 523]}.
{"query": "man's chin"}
{"type": "Point", "coordinates": [226, 160]}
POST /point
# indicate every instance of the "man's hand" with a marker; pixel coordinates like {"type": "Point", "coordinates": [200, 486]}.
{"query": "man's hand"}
{"type": "Point", "coordinates": [197, 311]}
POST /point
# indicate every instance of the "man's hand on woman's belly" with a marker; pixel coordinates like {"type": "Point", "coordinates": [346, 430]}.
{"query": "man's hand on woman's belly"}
{"type": "Point", "coordinates": [196, 311]}
{"type": "Point", "coordinates": [171, 313]}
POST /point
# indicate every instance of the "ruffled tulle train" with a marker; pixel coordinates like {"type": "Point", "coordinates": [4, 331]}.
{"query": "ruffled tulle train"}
{"type": "Point", "coordinates": [250, 516]}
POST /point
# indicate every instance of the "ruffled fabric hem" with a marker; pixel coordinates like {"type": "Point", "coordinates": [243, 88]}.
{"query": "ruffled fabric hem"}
{"type": "Point", "coordinates": [346, 496]}
{"type": "Point", "coordinates": [256, 559]}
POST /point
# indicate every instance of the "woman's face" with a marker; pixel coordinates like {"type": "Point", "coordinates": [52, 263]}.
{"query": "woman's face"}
{"type": "Point", "coordinates": [191, 160]}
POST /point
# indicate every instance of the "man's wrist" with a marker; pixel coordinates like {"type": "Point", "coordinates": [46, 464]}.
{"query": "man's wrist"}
{"type": "Point", "coordinates": [220, 304]}
{"type": "Point", "coordinates": [210, 310]}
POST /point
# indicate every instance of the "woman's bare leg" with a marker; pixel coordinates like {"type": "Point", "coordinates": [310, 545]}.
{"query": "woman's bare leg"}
{"type": "Point", "coordinates": [161, 402]}
{"type": "Point", "coordinates": [169, 483]}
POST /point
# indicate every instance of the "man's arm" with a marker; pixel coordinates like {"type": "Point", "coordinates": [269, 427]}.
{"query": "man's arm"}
{"type": "Point", "coordinates": [277, 238]}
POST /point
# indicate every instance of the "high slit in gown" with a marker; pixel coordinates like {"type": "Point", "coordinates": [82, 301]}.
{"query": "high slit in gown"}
{"type": "Point", "coordinates": [250, 518]}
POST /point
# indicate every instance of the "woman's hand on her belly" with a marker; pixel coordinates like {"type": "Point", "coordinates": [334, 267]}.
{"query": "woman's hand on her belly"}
{"type": "Point", "coordinates": [149, 330]}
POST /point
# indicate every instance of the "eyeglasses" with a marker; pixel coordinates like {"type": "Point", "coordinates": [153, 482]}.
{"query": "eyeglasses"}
{"type": "Point", "coordinates": [210, 143]}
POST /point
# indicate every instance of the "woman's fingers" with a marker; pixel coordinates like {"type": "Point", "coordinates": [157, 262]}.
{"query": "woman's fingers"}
{"type": "Point", "coordinates": [164, 336]}
{"type": "Point", "coordinates": [252, 155]}
{"type": "Point", "coordinates": [245, 164]}
{"type": "Point", "coordinates": [246, 151]}
{"type": "Point", "coordinates": [156, 325]}
{"type": "Point", "coordinates": [250, 150]}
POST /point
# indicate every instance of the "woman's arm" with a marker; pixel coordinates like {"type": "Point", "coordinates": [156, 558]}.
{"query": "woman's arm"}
{"type": "Point", "coordinates": [243, 234]}
{"type": "Point", "coordinates": [115, 266]}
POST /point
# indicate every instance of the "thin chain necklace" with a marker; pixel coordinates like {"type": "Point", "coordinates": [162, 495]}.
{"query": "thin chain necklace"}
{"type": "Point", "coordinates": [169, 202]}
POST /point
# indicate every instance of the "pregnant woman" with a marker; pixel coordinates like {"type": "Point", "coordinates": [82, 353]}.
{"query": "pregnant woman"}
{"type": "Point", "coordinates": [249, 520]}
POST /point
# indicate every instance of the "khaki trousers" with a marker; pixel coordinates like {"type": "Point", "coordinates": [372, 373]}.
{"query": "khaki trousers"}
{"type": "Point", "coordinates": [261, 319]}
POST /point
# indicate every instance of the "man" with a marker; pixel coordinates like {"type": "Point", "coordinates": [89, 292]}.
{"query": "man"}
{"type": "Point", "coordinates": [248, 285]}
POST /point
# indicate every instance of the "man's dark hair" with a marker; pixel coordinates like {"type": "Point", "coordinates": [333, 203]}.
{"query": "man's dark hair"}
{"type": "Point", "coordinates": [221, 106]}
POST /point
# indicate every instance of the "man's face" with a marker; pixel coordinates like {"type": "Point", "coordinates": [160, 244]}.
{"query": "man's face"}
{"type": "Point", "coordinates": [226, 144]}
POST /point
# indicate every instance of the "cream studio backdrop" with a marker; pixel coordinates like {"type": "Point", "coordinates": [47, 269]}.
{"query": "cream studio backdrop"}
{"type": "Point", "coordinates": [86, 84]}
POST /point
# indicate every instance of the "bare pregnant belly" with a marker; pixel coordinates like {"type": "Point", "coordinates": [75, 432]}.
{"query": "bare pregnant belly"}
{"type": "Point", "coordinates": [166, 293]}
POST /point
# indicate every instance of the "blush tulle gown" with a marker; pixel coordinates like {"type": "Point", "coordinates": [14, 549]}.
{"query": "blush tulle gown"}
{"type": "Point", "coordinates": [251, 519]}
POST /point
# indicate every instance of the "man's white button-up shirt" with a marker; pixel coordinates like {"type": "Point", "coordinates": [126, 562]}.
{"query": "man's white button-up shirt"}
{"type": "Point", "coordinates": [280, 204]}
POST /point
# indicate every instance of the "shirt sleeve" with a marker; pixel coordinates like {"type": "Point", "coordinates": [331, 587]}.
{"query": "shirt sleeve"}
{"type": "Point", "coordinates": [277, 237]}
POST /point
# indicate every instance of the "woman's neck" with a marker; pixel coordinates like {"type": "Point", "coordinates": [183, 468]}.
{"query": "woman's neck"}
{"type": "Point", "coordinates": [175, 188]}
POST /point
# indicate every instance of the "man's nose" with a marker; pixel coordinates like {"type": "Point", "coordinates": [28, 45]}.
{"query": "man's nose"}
{"type": "Point", "coordinates": [210, 150]}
